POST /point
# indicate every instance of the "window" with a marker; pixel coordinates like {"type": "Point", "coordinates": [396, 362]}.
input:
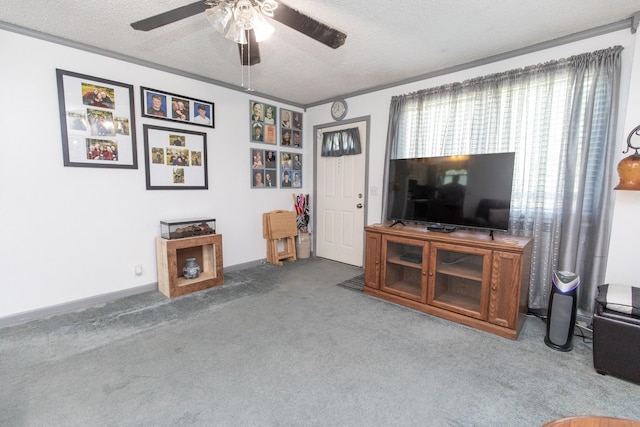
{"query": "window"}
{"type": "Point", "coordinates": [559, 118]}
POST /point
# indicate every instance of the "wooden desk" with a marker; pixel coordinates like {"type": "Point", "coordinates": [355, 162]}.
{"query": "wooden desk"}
{"type": "Point", "coordinates": [592, 422]}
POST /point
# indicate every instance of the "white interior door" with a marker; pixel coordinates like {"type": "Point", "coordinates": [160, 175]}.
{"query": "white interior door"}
{"type": "Point", "coordinates": [340, 201]}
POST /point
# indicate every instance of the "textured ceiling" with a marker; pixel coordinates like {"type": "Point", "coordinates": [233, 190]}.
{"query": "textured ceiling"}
{"type": "Point", "coordinates": [387, 42]}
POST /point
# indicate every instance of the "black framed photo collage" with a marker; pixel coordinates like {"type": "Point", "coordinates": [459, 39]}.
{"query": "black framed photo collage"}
{"type": "Point", "coordinates": [269, 167]}
{"type": "Point", "coordinates": [98, 130]}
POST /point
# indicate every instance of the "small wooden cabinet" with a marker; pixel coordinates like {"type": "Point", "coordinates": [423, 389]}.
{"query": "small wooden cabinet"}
{"type": "Point", "coordinates": [464, 276]}
{"type": "Point", "coordinates": [171, 256]}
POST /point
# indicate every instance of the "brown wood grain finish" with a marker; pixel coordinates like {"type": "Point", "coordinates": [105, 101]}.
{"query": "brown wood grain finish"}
{"type": "Point", "coordinates": [504, 296]}
{"type": "Point", "coordinates": [171, 256]}
{"type": "Point", "coordinates": [404, 278]}
{"type": "Point", "coordinates": [372, 261]}
{"type": "Point", "coordinates": [587, 421]}
{"type": "Point", "coordinates": [465, 276]}
{"type": "Point", "coordinates": [280, 226]}
{"type": "Point", "coordinates": [482, 276]}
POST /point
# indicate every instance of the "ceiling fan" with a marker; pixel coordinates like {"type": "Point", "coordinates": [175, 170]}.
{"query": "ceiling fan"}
{"type": "Point", "coordinates": [243, 21]}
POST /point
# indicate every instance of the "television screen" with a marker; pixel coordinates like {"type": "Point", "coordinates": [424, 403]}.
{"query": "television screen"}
{"type": "Point", "coordinates": [469, 191]}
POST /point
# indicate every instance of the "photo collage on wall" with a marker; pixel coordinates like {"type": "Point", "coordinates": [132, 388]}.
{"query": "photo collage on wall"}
{"type": "Point", "coordinates": [101, 122]}
{"type": "Point", "coordinates": [264, 168]}
{"type": "Point", "coordinates": [291, 167]}
{"type": "Point", "coordinates": [270, 168]}
{"type": "Point", "coordinates": [97, 121]}
{"type": "Point", "coordinates": [162, 105]}
{"type": "Point", "coordinates": [98, 130]}
{"type": "Point", "coordinates": [290, 129]}
{"type": "Point", "coordinates": [263, 122]}
{"type": "Point", "coordinates": [175, 159]}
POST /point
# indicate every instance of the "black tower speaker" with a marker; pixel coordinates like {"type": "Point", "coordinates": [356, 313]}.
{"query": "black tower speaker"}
{"type": "Point", "coordinates": [561, 314]}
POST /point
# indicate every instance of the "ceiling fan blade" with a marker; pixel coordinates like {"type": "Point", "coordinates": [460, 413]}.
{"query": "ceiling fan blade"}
{"type": "Point", "coordinates": [250, 52]}
{"type": "Point", "coordinates": [170, 16]}
{"type": "Point", "coordinates": [309, 26]}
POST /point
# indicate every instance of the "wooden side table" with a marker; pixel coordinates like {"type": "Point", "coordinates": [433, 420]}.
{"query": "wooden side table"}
{"type": "Point", "coordinates": [280, 226]}
{"type": "Point", "coordinates": [171, 256]}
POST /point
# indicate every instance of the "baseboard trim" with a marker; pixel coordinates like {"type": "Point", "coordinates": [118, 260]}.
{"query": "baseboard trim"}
{"type": "Point", "coordinates": [45, 312]}
{"type": "Point", "coordinates": [245, 265]}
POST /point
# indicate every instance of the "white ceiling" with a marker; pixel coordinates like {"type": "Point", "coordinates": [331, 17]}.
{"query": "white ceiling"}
{"type": "Point", "coordinates": [387, 41]}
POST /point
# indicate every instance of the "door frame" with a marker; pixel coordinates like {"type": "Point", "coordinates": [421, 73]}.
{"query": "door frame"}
{"type": "Point", "coordinates": [321, 127]}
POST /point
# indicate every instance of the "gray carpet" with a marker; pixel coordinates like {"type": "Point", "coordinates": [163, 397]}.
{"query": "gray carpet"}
{"type": "Point", "coordinates": [285, 346]}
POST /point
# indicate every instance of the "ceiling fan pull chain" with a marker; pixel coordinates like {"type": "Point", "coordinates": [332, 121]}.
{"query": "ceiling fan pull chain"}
{"type": "Point", "coordinates": [241, 63]}
{"type": "Point", "coordinates": [248, 63]}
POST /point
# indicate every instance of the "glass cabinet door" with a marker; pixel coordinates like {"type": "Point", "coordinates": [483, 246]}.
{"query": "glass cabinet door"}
{"type": "Point", "coordinates": [459, 278]}
{"type": "Point", "coordinates": [405, 268]}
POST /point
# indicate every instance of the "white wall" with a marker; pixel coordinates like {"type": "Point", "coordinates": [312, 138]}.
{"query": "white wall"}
{"type": "Point", "coordinates": [627, 208]}
{"type": "Point", "coordinates": [70, 233]}
{"type": "Point", "coordinates": [625, 234]}
{"type": "Point", "coordinates": [74, 233]}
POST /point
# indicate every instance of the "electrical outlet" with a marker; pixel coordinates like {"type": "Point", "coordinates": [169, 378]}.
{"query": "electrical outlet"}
{"type": "Point", "coordinates": [138, 270]}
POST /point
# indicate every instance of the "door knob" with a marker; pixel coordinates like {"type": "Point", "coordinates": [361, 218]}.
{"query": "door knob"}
{"type": "Point", "coordinates": [359, 206]}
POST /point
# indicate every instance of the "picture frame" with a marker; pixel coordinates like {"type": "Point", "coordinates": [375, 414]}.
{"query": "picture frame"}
{"type": "Point", "coordinates": [290, 169]}
{"type": "Point", "coordinates": [264, 172]}
{"type": "Point", "coordinates": [290, 128]}
{"type": "Point", "coordinates": [262, 122]}
{"type": "Point", "coordinates": [175, 159]}
{"type": "Point", "coordinates": [158, 104]}
{"type": "Point", "coordinates": [97, 121]}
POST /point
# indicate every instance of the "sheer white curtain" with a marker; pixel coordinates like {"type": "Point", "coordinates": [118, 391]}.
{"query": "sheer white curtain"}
{"type": "Point", "coordinates": [559, 118]}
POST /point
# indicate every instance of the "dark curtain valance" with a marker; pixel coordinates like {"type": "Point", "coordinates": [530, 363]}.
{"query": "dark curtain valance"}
{"type": "Point", "coordinates": [343, 142]}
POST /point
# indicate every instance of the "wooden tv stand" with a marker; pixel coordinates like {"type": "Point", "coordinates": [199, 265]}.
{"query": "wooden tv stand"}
{"type": "Point", "coordinates": [463, 276]}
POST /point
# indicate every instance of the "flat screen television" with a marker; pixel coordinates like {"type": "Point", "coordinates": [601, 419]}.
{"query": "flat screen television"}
{"type": "Point", "coordinates": [471, 191]}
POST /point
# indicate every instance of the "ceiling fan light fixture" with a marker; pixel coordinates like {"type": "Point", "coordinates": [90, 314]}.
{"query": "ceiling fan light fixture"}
{"type": "Point", "coordinates": [236, 33]}
{"type": "Point", "coordinates": [234, 18]}
{"type": "Point", "coordinates": [219, 17]}
{"type": "Point", "coordinates": [261, 28]}
{"type": "Point", "coordinates": [245, 14]}
{"type": "Point", "coordinates": [267, 7]}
